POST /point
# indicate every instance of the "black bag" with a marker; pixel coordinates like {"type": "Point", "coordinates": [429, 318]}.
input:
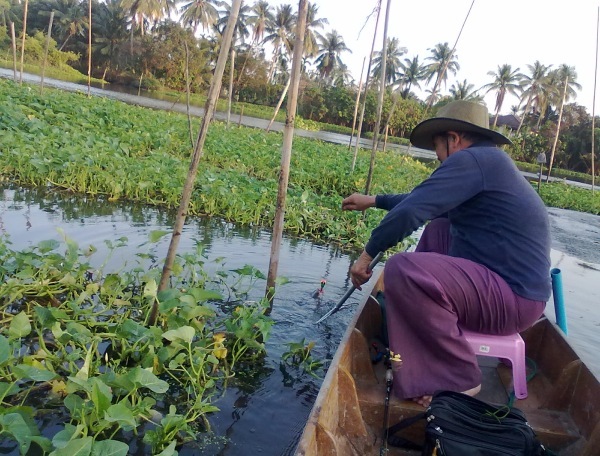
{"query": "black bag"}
{"type": "Point", "coordinates": [460, 425]}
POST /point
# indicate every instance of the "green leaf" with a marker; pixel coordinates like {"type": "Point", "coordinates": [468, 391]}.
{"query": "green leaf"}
{"type": "Point", "coordinates": [48, 245]}
{"type": "Point", "coordinates": [157, 235]}
{"type": "Point", "coordinates": [151, 289]}
{"type": "Point", "coordinates": [144, 378]}
{"type": "Point", "coordinates": [33, 373]}
{"type": "Point", "coordinates": [185, 333]}
{"type": "Point", "coordinates": [170, 450]}
{"type": "Point", "coordinates": [110, 448]}
{"type": "Point", "coordinates": [14, 425]}
{"type": "Point", "coordinates": [5, 352]}
{"type": "Point", "coordinates": [19, 326]}
{"type": "Point", "coordinates": [101, 396]}
{"type": "Point", "coordinates": [202, 295]}
{"type": "Point", "coordinates": [76, 447]}
{"type": "Point", "coordinates": [122, 414]}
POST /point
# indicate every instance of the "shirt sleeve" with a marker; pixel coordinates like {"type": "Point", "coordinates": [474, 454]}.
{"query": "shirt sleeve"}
{"type": "Point", "coordinates": [455, 181]}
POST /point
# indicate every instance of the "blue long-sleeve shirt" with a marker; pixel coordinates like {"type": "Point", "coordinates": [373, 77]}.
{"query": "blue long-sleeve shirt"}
{"type": "Point", "coordinates": [497, 218]}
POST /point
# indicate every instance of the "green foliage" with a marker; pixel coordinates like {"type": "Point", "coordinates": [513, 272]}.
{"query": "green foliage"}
{"type": "Point", "coordinates": [82, 337]}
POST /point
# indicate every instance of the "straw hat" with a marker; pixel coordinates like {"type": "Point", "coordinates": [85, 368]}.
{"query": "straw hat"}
{"type": "Point", "coordinates": [456, 116]}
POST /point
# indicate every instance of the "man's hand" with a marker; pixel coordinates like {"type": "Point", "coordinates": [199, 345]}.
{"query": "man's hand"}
{"type": "Point", "coordinates": [359, 272]}
{"type": "Point", "coordinates": [358, 202]}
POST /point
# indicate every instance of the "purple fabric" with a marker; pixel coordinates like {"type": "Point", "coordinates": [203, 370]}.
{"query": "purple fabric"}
{"type": "Point", "coordinates": [430, 296]}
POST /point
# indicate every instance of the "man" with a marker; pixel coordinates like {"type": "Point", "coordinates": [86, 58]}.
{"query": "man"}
{"type": "Point", "coordinates": [481, 264]}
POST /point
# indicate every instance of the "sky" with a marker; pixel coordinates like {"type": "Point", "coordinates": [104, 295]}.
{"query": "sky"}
{"type": "Point", "coordinates": [514, 32]}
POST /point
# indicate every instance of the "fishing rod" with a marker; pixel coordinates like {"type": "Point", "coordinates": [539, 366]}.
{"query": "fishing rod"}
{"type": "Point", "coordinates": [350, 291]}
{"type": "Point", "coordinates": [389, 378]}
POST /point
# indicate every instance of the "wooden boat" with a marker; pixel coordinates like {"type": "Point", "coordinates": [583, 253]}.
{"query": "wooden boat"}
{"type": "Point", "coordinates": [563, 403]}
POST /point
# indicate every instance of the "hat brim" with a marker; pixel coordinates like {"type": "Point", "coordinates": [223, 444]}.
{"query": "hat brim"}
{"type": "Point", "coordinates": [422, 135]}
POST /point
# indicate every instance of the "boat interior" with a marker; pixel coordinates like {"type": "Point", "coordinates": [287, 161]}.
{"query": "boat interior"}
{"type": "Point", "coordinates": [562, 406]}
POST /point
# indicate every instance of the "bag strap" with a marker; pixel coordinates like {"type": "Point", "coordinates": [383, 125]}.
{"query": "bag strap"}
{"type": "Point", "coordinates": [401, 442]}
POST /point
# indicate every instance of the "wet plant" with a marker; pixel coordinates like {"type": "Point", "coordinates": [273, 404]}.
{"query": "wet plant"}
{"type": "Point", "coordinates": [75, 340]}
{"type": "Point", "coordinates": [299, 354]}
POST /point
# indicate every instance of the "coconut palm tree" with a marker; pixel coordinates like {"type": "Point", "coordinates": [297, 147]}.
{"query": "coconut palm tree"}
{"type": "Point", "coordinates": [313, 22]}
{"type": "Point", "coordinates": [280, 34]}
{"type": "Point", "coordinates": [443, 61]}
{"type": "Point", "coordinates": [200, 12]}
{"type": "Point", "coordinates": [328, 57]}
{"type": "Point", "coordinates": [147, 11]}
{"type": "Point", "coordinates": [506, 80]}
{"type": "Point", "coordinates": [70, 18]}
{"type": "Point", "coordinates": [393, 63]}
{"type": "Point", "coordinates": [464, 91]}
{"type": "Point", "coordinates": [532, 86]}
{"type": "Point", "coordinates": [260, 15]}
{"type": "Point", "coordinates": [109, 25]}
{"type": "Point", "coordinates": [412, 73]}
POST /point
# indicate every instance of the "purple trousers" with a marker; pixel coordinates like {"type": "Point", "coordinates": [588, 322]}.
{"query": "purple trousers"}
{"type": "Point", "coordinates": [430, 296]}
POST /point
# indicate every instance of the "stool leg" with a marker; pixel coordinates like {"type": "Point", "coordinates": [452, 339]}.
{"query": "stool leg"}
{"type": "Point", "coordinates": [519, 371]}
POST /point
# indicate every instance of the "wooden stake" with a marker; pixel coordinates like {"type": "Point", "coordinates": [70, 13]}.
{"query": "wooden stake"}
{"type": "Point", "coordinates": [286, 153]}
{"type": "Point", "coordinates": [560, 113]}
{"type": "Point", "coordinates": [23, 42]}
{"type": "Point", "coordinates": [209, 109]}
{"type": "Point", "coordinates": [594, 101]}
{"type": "Point", "coordinates": [279, 103]}
{"type": "Point", "coordinates": [357, 102]}
{"type": "Point", "coordinates": [364, 102]}
{"type": "Point", "coordinates": [89, 48]}
{"type": "Point", "coordinates": [232, 59]}
{"type": "Point", "coordinates": [46, 51]}
{"type": "Point", "coordinates": [14, 49]}
{"type": "Point", "coordinates": [379, 100]}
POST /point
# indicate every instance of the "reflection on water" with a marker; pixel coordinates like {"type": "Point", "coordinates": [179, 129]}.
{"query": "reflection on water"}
{"type": "Point", "coordinates": [266, 411]}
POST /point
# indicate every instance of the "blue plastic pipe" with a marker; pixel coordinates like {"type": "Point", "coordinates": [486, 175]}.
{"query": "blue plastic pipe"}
{"type": "Point", "coordinates": [559, 303]}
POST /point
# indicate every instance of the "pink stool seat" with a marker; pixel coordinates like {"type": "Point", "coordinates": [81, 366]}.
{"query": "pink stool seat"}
{"type": "Point", "coordinates": [510, 347]}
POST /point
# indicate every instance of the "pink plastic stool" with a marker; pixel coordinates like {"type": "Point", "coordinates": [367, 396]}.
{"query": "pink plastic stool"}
{"type": "Point", "coordinates": [510, 347]}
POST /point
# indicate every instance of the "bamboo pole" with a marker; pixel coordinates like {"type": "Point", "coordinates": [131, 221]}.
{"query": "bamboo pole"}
{"type": "Point", "coordinates": [279, 103]}
{"type": "Point", "coordinates": [286, 153]}
{"type": "Point", "coordinates": [46, 51]}
{"type": "Point", "coordinates": [14, 49]}
{"type": "Point", "coordinates": [89, 91]}
{"type": "Point", "coordinates": [379, 100]}
{"type": "Point", "coordinates": [23, 41]}
{"type": "Point", "coordinates": [357, 104]}
{"type": "Point", "coordinates": [594, 101]}
{"type": "Point", "coordinates": [364, 102]}
{"type": "Point", "coordinates": [560, 113]}
{"type": "Point", "coordinates": [209, 109]}
{"type": "Point", "coordinates": [232, 59]}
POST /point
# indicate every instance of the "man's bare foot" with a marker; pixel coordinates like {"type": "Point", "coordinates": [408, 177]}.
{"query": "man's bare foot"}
{"type": "Point", "coordinates": [426, 400]}
{"type": "Point", "coordinates": [423, 400]}
{"type": "Point", "coordinates": [473, 391]}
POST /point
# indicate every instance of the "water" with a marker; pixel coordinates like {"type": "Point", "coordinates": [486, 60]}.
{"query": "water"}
{"type": "Point", "coordinates": [267, 415]}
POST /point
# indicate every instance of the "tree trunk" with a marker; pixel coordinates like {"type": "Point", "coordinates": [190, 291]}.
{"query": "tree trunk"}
{"type": "Point", "coordinates": [562, 105]}
{"type": "Point", "coordinates": [525, 112]}
{"type": "Point", "coordinates": [286, 153]}
{"type": "Point", "coordinates": [379, 101]}
{"type": "Point", "coordinates": [186, 195]}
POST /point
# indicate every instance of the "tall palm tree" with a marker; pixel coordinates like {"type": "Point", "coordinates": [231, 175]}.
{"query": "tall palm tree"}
{"type": "Point", "coordinates": [70, 18]}
{"type": "Point", "coordinates": [412, 73]}
{"type": "Point", "coordinates": [532, 86]}
{"type": "Point", "coordinates": [143, 11]}
{"type": "Point", "coordinates": [506, 80]}
{"type": "Point", "coordinates": [464, 91]}
{"type": "Point", "coordinates": [200, 12]}
{"type": "Point", "coordinates": [568, 77]}
{"type": "Point", "coordinates": [443, 61]}
{"type": "Point", "coordinates": [328, 57]}
{"type": "Point", "coordinates": [110, 31]}
{"type": "Point", "coordinates": [280, 34]}
{"type": "Point", "coordinates": [261, 14]}
{"type": "Point", "coordinates": [393, 63]}
{"type": "Point", "coordinates": [313, 22]}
